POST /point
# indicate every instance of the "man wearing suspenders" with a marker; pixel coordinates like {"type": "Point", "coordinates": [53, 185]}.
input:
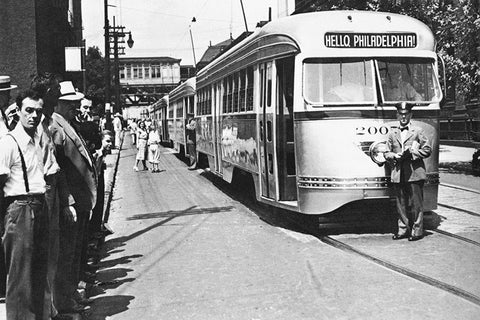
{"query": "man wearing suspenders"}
{"type": "Point", "coordinates": [5, 88]}
{"type": "Point", "coordinates": [25, 239]}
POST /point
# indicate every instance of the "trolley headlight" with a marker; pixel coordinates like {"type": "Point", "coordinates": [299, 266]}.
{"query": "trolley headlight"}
{"type": "Point", "coordinates": [376, 152]}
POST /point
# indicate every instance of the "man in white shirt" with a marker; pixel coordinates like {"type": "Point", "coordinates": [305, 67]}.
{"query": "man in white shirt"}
{"type": "Point", "coordinates": [26, 220]}
{"type": "Point", "coordinates": [5, 89]}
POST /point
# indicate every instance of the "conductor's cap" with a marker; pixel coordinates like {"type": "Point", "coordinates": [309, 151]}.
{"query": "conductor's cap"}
{"type": "Point", "coordinates": [403, 107]}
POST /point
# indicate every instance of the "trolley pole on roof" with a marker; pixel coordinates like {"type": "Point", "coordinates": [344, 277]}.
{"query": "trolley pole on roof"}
{"type": "Point", "coordinates": [244, 18]}
{"type": "Point", "coordinates": [193, 47]}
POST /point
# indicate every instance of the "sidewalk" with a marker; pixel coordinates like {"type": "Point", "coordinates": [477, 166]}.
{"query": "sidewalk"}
{"type": "Point", "coordinates": [449, 153]}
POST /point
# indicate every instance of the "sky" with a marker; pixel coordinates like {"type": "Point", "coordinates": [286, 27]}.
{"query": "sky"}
{"type": "Point", "coordinates": [161, 27]}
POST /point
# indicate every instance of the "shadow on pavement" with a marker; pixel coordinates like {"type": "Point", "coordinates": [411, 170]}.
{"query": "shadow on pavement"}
{"type": "Point", "coordinates": [359, 217]}
{"type": "Point", "coordinates": [108, 277]}
{"type": "Point", "coordinates": [108, 306]}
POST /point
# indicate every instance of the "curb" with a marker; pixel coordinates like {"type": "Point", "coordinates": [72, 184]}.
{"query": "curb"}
{"type": "Point", "coordinates": [111, 185]}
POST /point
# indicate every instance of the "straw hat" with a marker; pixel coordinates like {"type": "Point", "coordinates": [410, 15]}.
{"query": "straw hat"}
{"type": "Point", "coordinates": [5, 83]}
{"type": "Point", "coordinates": [68, 92]}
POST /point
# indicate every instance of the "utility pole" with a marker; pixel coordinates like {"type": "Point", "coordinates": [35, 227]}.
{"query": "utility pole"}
{"type": "Point", "coordinates": [117, 35]}
{"type": "Point", "coordinates": [107, 57]}
{"type": "Point", "coordinates": [108, 116]}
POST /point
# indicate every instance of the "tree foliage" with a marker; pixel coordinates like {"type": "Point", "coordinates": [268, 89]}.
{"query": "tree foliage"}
{"type": "Point", "coordinates": [455, 23]}
{"type": "Point", "coordinates": [95, 65]}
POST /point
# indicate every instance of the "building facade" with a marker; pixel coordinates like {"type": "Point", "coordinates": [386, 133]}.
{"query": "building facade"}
{"type": "Point", "coordinates": [33, 37]}
{"type": "Point", "coordinates": [144, 81]}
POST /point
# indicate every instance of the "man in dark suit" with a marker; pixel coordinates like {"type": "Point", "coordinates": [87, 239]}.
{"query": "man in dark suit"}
{"type": "Point", "coordinates": [77, 185]}
{"type": "Point", "coordinates": [408, 146]}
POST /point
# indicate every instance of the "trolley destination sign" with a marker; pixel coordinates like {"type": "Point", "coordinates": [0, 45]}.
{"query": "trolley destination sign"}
{"type": "Point", "coordinates": [370, 40]}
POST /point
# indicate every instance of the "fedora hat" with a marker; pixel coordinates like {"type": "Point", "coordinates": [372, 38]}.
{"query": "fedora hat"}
{"type": "Point", "coordinates": [5, 83]}
{"type": "Point", "coordinates": [68, 92]}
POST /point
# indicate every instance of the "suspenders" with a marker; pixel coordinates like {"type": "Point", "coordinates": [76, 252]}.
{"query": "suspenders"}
{"type": "Point", "coordinates": [24, 167]}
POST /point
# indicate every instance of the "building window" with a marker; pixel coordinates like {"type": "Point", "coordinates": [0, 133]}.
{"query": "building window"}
{"type": "Point", "coordinates": [156, 72]}
{"type": "Point", "coordinates": [136, 72]}
{"type": "Point", "coordinates": [122, 73]}
{"type": "Point", "coordinates": [129, 72]}
{"type": "Point", "coordinates": [146, 72]}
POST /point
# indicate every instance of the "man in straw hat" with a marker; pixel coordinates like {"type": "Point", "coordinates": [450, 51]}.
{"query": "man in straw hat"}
{"type": "Point", "coordinates": [77, 185]}
{"type": "Point", "coordinates": [5, 89]}
{"type": "Point", "coordinates": [408, 146]}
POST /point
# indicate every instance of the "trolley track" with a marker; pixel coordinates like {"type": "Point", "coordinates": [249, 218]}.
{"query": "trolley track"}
{"type": "Point", "coordinates": [468, 190]}
{"type": "Point", "coordinates": [459, 209]}
{"type": "Point", "coordinates": [291, 221]}
{"type": "Point", "coordinates": [340, 245]}
{"type": "Point", "coordinates": [452, 186]}
{"type": "Point", "coordinates": [402, 270]}
{"type": "Point", "coordinates": [455, 236]}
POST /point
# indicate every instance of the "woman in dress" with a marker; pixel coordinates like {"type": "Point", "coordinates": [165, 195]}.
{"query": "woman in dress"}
{"type": "Point", "coordinates": [142, 137]}
{"type": "Point", "coordinates": [153, 148]}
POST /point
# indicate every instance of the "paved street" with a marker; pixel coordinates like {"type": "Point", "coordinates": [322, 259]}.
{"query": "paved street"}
{"type": "Point", "coordinates": [184, 249]}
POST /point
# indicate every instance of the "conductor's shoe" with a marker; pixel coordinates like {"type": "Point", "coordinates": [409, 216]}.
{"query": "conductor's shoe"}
{"type": "Point", "coordinates": [399, 236]}
{"type": "Point", "coordinates": [415, 238]}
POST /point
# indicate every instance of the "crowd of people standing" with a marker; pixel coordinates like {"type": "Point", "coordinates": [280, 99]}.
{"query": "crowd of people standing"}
{"type": "Point", "coordinates": [147, 141]}
{"type": "Point", "coordinates": [51, 176]}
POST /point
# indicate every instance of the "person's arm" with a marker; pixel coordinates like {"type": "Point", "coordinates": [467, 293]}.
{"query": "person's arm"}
{"type": "Point", "coordinates": [66, 200]}
{"type": "Point", "coordinates": [390, 155]}
{"type": "Point", "coordinates": [5, 165]}
{"type": "Point", "coordinates": [421, 147]}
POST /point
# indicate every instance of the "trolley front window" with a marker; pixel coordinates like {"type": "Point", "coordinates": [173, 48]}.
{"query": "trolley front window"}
{"type": "Point", "coordinates": [351, 81]}
{"type": "Point", "coordinates": [339, 81]}
{"type": "Point", "coordinates": [408, 79]}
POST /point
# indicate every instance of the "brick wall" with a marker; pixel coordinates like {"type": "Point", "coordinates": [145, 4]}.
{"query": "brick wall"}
{"type": "Point", "coordinates": [33, 36]}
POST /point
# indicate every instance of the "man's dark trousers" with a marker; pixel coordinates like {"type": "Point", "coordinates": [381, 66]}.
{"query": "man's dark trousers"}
{"type": "Point", "coordinates": [25, 242]}
{"type": "Point", "coordinates": [409, 195]}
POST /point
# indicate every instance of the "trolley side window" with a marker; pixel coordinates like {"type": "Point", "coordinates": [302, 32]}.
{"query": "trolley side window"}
{"type": "Point", "coordinates": [407, 79]}
{"type": "Point", "coordinates": [339, 81]}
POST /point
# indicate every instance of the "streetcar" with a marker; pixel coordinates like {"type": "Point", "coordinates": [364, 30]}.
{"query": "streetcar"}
{"type": "Point", "coordinates": [159, 114]}
{"type": "Point", "coordinates": [181, 103]}
{"type": "Point", "coordinates": [303, 107]}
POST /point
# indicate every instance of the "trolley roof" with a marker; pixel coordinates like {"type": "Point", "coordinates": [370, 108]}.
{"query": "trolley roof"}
{"type": "Point", "coordinates": [306, 32]}
{"type": "Point", "coordinates": [162, 103]}
{"type": "Point", "coordinates": [185, 89]}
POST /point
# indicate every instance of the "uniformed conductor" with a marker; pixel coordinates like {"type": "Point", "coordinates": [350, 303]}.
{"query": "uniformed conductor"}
{"type": "Point", "coordinates": [407, 147]}
{"type": "Point", "coordinates": [26, 219]}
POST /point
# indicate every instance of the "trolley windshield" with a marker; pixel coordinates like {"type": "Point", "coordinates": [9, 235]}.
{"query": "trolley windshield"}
{"type": "Point", "coordinates": [411, 80]}
{"type": "Point", "coordinates": [350, 81]}
{"type": "Point", "coordinates": [339, 81]}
